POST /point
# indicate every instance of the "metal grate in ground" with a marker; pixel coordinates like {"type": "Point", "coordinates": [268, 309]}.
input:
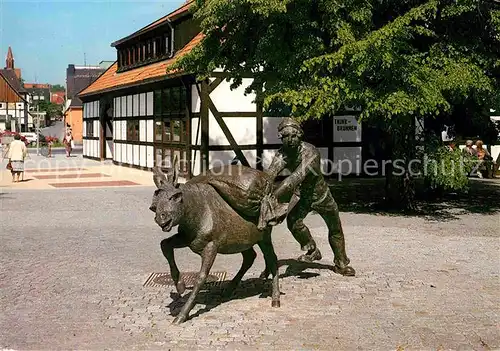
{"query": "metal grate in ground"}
{"type": "Point", "coordinates": [157, 280]}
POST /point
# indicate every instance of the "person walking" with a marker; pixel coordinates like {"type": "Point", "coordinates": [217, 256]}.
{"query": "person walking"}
{"type": "Point", "coordinates": [17, 153]}
{"type": "Point", "coordinates": [67, 141]}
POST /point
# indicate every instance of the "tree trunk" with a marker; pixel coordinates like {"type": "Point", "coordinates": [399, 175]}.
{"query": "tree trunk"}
{"type": "Point", "coordinates": [399, 184]}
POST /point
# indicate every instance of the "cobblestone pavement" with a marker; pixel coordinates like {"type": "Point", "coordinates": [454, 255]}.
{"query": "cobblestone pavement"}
{"type": "Point", "coordinates": [73, 264]}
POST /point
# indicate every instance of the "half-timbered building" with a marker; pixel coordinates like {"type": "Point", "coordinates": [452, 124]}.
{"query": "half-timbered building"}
{"type": "Point", "coordinates": [136, 114]}
{"type": "Point", "coordinates": [14, 113]}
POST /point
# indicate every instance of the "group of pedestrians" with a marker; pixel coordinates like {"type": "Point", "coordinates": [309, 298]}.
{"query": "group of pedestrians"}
{"type": "Point", "coordinates": [485, 165]}
{"type": "Point", "coordinates": [17, 153]}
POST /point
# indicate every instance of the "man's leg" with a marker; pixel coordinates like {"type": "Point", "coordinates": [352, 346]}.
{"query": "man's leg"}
{"type": "Point", "coordinates": [295, 223]}
{"type": "Point", "coordinates": [329, 211]}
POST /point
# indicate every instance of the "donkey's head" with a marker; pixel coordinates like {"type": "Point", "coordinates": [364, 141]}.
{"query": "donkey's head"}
{"type": "Point", "coordinates": [167, 199]}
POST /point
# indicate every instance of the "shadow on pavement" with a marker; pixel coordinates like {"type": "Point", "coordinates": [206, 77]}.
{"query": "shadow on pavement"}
{"type": "Point", "coordinates": [212, 296]}
{"type": "Point", "coordinates": [296, 268]}
{"type": "Point", "coordinates": [367, 196]}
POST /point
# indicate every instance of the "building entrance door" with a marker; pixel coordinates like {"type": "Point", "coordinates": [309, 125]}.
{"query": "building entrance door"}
{"type": "Point", "coordinates": [107, 129]}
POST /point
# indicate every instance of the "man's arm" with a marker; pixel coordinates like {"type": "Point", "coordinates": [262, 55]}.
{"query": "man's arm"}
{"type": "Point", "coordinates": [278, 164]}
{"type": "Point", "coordinates": [310, 163]}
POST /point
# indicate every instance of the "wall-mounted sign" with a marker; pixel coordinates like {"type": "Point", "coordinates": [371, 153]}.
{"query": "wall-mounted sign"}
{"type": "Point", "coordinates": [346, 129]}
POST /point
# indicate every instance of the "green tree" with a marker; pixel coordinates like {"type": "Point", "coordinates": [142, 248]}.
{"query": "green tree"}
{"type": "Point", "coordinates": [53, 110]}
{"type": "Point", "coordinates": [395, 59]}
{"type": "Point", "coordinates": [57, 87]}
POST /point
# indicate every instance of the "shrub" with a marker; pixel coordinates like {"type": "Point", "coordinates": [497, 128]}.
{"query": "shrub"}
{"type": "Point", "coordinates": [446, 169]}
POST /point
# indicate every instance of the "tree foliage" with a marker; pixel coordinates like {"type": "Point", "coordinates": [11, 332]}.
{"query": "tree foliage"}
{"type": "Point", "coordinates": [57, 87]}
{"type": "Point", "coordinates": [53, 110]}
{"type": "Point", "coordinates": [393, 59]}
{"type": "Point", "coordinates": [388, 57]}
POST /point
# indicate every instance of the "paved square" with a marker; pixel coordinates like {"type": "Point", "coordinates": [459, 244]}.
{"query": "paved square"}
{"type": "Point", "coordinates": [73, 263]}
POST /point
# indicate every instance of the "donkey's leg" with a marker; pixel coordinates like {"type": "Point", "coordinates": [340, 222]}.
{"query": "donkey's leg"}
{"type": "Point", "coordinates": [167, 247]}
{"type": "Point", "coordinates": [207, 260]}
{"type": "Point", "coordinates": [266, 245]}
{"type": "Point", "coordinates": [248, 259]}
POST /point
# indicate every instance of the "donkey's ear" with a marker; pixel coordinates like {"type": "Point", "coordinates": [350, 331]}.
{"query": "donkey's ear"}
{"type": "Point", "coordinates": [159, 177]}
{"type": "Point", "coordinates": [173, 173]}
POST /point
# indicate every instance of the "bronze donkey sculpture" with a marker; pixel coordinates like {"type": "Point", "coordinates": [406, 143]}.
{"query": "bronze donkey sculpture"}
{"type": "Point", "coordinates": [209, 225]}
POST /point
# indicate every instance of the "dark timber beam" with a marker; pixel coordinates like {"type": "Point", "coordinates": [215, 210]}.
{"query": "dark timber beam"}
{"type": "Point", "coordinates": [260, 135]}
{"type": "Point", "coordinates": [204, 108]}
{"type": "Point", "coordinates": [227, 133]}
{"type": "Point", "coordinates": [214, 84]}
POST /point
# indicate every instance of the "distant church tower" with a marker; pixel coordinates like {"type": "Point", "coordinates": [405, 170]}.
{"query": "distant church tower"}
{"type": "Point", "coordinates": [9, 62]}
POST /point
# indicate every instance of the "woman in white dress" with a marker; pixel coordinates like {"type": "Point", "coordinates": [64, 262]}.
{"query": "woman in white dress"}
{"type": "Point", "coordinates": [17, 154]}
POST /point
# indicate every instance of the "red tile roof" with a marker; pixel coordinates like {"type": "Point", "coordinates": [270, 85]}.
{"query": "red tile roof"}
{"type": "Point", "coordinates": [36, 86]}
{"type": "Point", "coordinates": [111, 80]}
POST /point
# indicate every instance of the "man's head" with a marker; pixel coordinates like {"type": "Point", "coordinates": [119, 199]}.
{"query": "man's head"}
{"type": "Point", "coordinates": [17, 137]}
{"type": "Point", "coordinates": [290, 133]}
{"type": "Point", "coordinates": [469, 143]}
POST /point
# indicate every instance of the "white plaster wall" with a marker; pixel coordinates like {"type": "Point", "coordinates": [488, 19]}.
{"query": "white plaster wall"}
{"type": "Point", "coordinates": [91, 148]}
{"type": "Point", "coordinates": [251, 156]}
{"type": "Point", "coordinates": [149, 131]}
{"type": "Point", "coordinates": [495, 151]}
{"type": "Point", "coordinates": [135, 100]}
{"type": "Point", "coordinates": [96, 128]}
{"type": "Point", "coordinates": [136, 155]}
{"type": "Point", "coordinates": [123, 109]}
{"type": "Point", "coordinates": [227, 100]}
{"type": "Point", "coordinates": [130, 160]}
{"type": "Point", "coordinates": [270, 130]}
{"type": "Point", "coordinates": [149, 103]}
{"type": "Point", "coordinates": [267, 157]}
{"type": "Point", "coordinates": [118, 156]}
{"type": "Point", "coordinates": [142, 160]}
{"type": "Point", "coordinates": [150, 156]}
{"type": "Point", "coordinates": [114, 152]}
{"type": "Point", "coordinates": [347, 160]}
{"type": "Point", "coordinates": [97, 149]}
{"type": "Point", "coordinates": [218, 158]}
{"type": "Point", "coordinates": [142, 130]}
{"type": "Point", "coordinates": [195, 159]}
{"type": "Point", "coordinates": [129, 106]}
{"type": "Point", "coordinates": [108, 131]}
{"type": "Point", "coordinates": [109, 148]}
{"type": "Point", "coordinates": [194, 130]}
{"type": "Point", "coordinates": [195, 99]}
{"type": "Point", "coordinates": [123, 129]}
{"type": "Point", "coordinates": [142, 104]}
{"type": "Point", "coordinates": [124, 153]}
{"type": "Point", "coordinates": [243, 129]}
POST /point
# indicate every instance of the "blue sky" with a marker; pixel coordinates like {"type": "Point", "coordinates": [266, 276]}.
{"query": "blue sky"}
{"type": "Point", "coordinates": [47, 35]}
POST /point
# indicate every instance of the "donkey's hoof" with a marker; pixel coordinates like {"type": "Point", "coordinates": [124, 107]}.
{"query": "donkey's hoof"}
{"type": "Point", "coordinates": [347, 271]}
{"type": "Point", "coordinates": [310, 256]}
{"type": "Point", "coordinates": [264, 274]}
{"type": "Point", "coordinates": [181, 287]}
{"type": "Point", "coordinates": [275, 303]}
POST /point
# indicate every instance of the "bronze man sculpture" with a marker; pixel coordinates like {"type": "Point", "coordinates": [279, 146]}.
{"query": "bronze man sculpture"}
{"type": "Point", "coordinates": [306, 179]}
